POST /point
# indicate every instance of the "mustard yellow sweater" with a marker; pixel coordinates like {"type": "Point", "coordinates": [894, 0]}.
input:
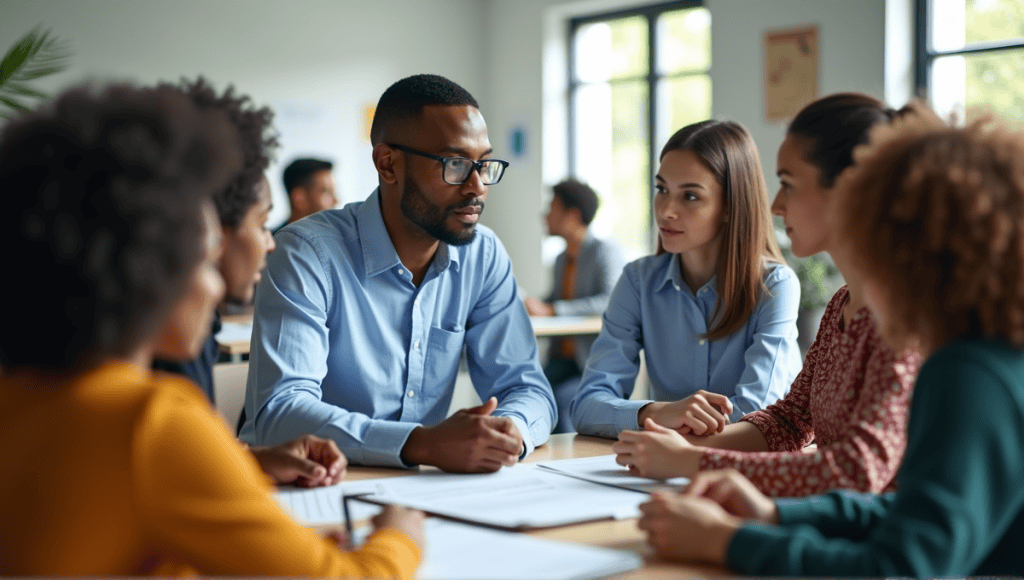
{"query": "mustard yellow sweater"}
{"type": "Point", "coordinates": [125, 472]}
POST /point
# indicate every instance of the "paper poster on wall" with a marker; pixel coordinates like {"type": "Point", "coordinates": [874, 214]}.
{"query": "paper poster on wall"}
{"type": "Point", "coordinates": [790, 71]}
{"type": "Point", "coordinates": [368, 112]}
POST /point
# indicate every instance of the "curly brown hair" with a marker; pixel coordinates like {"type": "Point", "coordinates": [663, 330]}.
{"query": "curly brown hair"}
{"type": "Point", "coordinates": [258, 138]}
{"type": "Point", "coordinates": [103, 220]}
{"type": "Point", "coordinates": [935, 215]}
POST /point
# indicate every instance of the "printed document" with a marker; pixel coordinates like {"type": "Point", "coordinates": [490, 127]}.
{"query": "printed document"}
{"type": "Point", "coordinates": [603, 469]}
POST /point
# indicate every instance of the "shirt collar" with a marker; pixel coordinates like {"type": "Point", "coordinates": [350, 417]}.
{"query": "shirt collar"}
{"type": "Point", "coordinates": [379, 254]}
{"type": "Point", "coordinates": [673, 276]}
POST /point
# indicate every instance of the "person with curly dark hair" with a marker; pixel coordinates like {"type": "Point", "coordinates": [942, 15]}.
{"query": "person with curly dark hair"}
{"type": "Point", "coordinates": [365, 311]}
{"type": "Point", "coordinates": [118, 244]}
{"type": "Point", "coordinates": [242, 205]}
{"type": "Point", "coordinates": [931, 223]}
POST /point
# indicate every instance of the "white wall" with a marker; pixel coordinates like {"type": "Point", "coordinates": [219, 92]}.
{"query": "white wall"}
{"type": "Point", "coordinates": [528, 36]}
{"type": "Point", "coordinates": [319, 63]}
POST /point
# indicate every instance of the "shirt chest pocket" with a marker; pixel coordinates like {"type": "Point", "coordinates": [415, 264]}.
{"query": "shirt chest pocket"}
{"type": "Point", "coordinates": [444, 352]}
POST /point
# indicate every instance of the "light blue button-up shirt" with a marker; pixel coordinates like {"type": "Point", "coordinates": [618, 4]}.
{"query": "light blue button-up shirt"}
{"type": "Point", "coordinates": [653, 309]}
{"type": "Point", "coordinates": [345, 346]}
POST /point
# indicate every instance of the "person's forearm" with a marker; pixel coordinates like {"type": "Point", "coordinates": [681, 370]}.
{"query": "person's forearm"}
{"type": "Point", "coordinates": [741, 436]}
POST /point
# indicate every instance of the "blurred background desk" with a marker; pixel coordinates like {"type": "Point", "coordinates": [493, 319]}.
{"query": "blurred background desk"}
{"type": "Point", "coordinates": [236, 330]}
{"type": "Point", "coordinates": [235, 335]}
{"type": "Point", "coordinates": [545, 326]}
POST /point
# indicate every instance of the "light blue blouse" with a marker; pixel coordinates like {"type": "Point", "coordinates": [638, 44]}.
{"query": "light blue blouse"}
{"type": "Point", "coordinates": [652, 309]}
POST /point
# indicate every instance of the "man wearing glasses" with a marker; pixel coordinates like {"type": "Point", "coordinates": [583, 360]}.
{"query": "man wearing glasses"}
{"type": "Point", "coordinates": [364, 311]}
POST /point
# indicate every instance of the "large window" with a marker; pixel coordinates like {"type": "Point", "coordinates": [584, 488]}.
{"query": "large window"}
{"type": "Point", "coordinates": [970, 56]}
{"type": "Point", "coordinates": [635, 76]}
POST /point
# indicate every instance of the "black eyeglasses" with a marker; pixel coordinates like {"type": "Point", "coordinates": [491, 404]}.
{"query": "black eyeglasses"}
{"type": "Point", "coordinates": [457, 169]}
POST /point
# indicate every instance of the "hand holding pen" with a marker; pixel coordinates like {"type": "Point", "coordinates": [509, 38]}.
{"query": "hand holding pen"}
{"type": "Point", "coordinates": [406, 520]}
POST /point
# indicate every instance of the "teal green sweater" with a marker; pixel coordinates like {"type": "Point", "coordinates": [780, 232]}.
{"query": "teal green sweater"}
{"type": "Point", "coordinates": [959, 510]}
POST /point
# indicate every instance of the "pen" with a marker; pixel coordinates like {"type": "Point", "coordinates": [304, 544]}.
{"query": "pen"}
{"type": "Point", "coordinates": [348, 521]}
{"type": "Point", "coordinates": [349, 543]}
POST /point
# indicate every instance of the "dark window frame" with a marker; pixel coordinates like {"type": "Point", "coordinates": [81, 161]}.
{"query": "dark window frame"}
{"type": "Point", "coordinates": [925, 55]}
{"type": "Point", "coordinates": [651, 13]}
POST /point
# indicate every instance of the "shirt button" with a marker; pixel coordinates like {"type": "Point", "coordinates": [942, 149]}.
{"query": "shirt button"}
{"type": "Point", "coordinates": [416, 345]}
{"type": "Point", "coordinates": [412, 394]}
{"type": "Point", "coordinates": [701, 342]}
{"type": "Point", "coordinates": [401, 272]}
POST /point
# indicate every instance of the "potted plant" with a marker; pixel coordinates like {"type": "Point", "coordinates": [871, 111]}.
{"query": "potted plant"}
{"type": "Point", "coordinates": [37, 54]}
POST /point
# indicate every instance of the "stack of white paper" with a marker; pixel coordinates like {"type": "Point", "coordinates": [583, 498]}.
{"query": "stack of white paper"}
{"type": "Point", "coordinates": [322, 505]}
{"type": "Point", "coordinates": [518, 497]}
{"type": "Point", "coordinates": [603, 469]}
{"type": "Point", "coordinates": [461, 552]}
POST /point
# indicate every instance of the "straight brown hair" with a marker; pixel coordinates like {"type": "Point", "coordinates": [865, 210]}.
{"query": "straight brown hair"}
{"type": "Point", "coordinates": [748, 240]}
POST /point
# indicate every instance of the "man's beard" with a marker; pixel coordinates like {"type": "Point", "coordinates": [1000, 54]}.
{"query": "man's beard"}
{"type": "Point", "coordinates": [432, 219]}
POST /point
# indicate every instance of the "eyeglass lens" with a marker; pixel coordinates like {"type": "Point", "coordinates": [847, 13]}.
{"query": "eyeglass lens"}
{"type": "Point", "coordinates": [456, 170]}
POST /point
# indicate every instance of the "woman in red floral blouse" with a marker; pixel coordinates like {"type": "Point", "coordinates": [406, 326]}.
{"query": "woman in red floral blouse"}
{"type": "Point", "coordinates": [852, 395]}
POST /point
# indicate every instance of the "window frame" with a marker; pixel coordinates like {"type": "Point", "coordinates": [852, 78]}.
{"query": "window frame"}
{"type": "Point", "coordinates": [925, 55]}
{"type": "Point", "coordinates": [651, 13]}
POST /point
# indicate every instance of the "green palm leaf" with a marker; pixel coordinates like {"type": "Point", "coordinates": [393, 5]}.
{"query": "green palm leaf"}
{"type": "Point", "coordinates": [39, 53]}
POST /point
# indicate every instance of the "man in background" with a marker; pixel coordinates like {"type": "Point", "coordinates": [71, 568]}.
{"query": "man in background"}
{"type": "Point", "coordinates": [585, 274]}
{"type": "Point", "coordinates": [310, 187]}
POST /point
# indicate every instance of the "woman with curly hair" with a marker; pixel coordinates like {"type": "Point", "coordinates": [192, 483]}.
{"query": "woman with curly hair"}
{"type": "Point", "coordinates": [242, 204]}
{"type": "Point", "coordinates": [109, 468]}
{"type": "Point", "coordinates": [932, 224]}
{"type": "Point", "coordinates": [851, 396]}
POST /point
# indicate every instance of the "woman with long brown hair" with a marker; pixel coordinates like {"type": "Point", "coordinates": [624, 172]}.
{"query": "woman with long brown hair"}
{"type": "Point", "coordinates": [714, 310]}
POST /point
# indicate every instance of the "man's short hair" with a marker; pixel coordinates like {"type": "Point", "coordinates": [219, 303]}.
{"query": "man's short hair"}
{"type": "Point", "coordinates": [104, 221]}
{"type": "Point", "coordinates": [404, 101]}
{"type": "Point", "coordinates": [577, 195]}
{"type": "Point", "coordinates": [255, 130]}
{"type": "Point", "coordinates": [300, 172]}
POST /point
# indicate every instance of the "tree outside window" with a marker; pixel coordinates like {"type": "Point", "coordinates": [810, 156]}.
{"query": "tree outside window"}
{"type": "Point", "coordinates": [971, 56]}
{"type": "Point", "coordinates": [636, 76]}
